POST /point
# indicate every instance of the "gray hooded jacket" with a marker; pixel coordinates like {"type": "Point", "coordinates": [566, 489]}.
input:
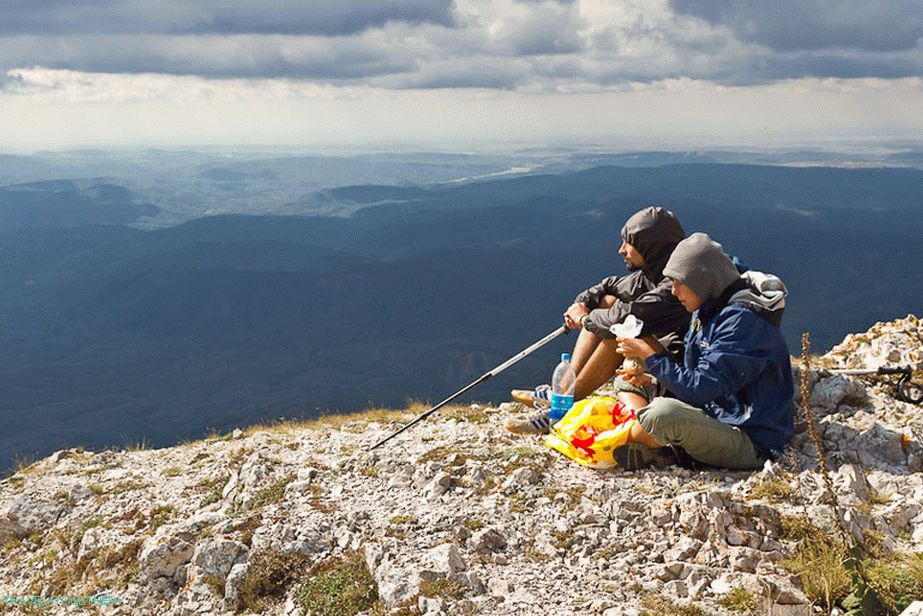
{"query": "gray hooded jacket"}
{"type": "Point", "coordinates": [654, 232]}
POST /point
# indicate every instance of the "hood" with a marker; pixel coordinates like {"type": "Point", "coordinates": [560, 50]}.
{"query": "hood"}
{"type": "Point", "coordinates": [764, 293]}
{"type": "Point", "coordinates": [700, 263]}
{"type": "Point", "coordinates": [654, 232]}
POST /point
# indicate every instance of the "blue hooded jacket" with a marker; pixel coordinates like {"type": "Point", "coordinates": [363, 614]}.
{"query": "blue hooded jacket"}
{"type": "Point", "coordinates": [736, 366]}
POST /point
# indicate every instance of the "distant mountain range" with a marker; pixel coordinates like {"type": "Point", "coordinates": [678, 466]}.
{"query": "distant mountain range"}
{"type": "Point", "coordinates": [111, 334]}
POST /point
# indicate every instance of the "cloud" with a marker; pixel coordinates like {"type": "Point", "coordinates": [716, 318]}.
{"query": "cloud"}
{"type": "Point", "coordinates": [249, 56]}
{"type": "Point", "coordinates": [533, 45]}
{"type": "Point", "coordinates": [317, 17]}
{"type": "Point", "coordinates": [793, 25]}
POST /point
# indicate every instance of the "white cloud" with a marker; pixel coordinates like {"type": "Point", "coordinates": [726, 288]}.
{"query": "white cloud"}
{"type": "Point", "coordinates": [425, 75]}
{"type": "Point", "coordinates": [540, 44]}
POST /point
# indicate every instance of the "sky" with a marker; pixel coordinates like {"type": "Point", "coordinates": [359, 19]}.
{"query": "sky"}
{"type": "Point", "coordinates": [459, 74]}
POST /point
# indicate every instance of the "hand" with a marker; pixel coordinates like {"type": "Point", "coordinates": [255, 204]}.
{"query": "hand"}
{"type": "Point", "coordinates": [641, 380]}
{"type": "Point", "coordinates": [634, 348]}
{"type": "Point", "coordinates": [573, 315]}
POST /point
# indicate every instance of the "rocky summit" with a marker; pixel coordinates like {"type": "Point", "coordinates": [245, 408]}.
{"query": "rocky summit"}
{"type": "Point", "coordinates": [456, 516]}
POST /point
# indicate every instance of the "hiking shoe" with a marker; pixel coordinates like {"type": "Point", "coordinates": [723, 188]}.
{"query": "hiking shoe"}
{"type": "Point", "coordinates": [635, 456]}
{"type": "Point", "coordinates": [536, 423]}
{"type": "Point", "coordinates": [536, 398]}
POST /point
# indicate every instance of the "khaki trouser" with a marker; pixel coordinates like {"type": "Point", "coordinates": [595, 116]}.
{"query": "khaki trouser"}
{"type": "Point", "coordinates": [704, 438]}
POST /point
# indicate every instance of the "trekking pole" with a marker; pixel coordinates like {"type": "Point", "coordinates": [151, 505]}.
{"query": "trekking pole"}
{"type": "Point", "coordinates": [905, 389]}
{"type": "Point", "coordinates": [512, 360]}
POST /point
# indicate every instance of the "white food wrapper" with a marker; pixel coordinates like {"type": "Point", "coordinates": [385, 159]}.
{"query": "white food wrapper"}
{"type": "Point", "coordinates": [630, 327]}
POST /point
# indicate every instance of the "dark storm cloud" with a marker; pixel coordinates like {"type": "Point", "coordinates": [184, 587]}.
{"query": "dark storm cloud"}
{"type": "Point", "coordinates": [319, 17]}
{"type": "Point", "coordinates": [792, 25]}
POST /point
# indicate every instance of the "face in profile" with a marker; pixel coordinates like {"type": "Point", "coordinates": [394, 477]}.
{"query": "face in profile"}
{"type": "Point", "coordinates": [686, 296]}
{"type": "Point", "coordinates": [633, 258]}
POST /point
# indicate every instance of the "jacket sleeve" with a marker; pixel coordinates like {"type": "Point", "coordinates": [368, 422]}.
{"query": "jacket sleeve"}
{"type": "Point", "coordinates": [734, 357]}
{"type": "Point", "coordinates": [592, 296]}
{"type": "Point", "coordinates": [657, 309]}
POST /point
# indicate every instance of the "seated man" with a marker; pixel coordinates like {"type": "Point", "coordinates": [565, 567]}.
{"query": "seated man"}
{"type": "Point", "coordinates": [648, 239]}
{"type": "Point", "coordinates": [733, 392]}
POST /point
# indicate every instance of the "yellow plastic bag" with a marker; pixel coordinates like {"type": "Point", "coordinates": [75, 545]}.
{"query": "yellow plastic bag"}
{"type": "Point", "coordinates": [591, 430]}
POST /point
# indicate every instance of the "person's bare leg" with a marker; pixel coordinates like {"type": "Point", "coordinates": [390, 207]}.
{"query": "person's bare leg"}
{"type": "Point", "coordinates": [587, 343]}
{"type": "Point", "coordinates": [599, 369]}
{"type": "Point", "coordinates": [583, 349]}
{"type": "Point", "coordinates": [631, 400]}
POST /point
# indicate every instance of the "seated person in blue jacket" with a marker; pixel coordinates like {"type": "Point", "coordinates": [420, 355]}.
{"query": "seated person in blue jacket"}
{"type": "Point", "coordinates": [732, 403]}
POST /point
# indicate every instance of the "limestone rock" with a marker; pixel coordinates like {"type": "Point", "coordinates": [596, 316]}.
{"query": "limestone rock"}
{"type": "Point", "coordinates": [233, 583]}
{"type": "Point", "coordinates": [834, 390]}
{"type": "Point", "coordinates": [447, 559]}
{"type": "Point", "coordinates": [486, 540]}
{"type": "Point", "coordinates": [396, 585]}
{"type": "Point", "coordinates": [30, 514]}
{"type": "Point", "coordinates": [914, 609]}
{"type": "Point", "coordinates": [215, 556]}
{"type": "Point", "coordinates": [162, 555]}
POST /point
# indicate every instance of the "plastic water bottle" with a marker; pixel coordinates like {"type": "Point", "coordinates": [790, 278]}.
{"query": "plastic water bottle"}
{"type": "Point", "coordinates": [562, 388]}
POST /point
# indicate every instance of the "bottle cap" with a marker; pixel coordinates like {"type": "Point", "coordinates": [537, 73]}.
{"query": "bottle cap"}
{"type": "Point", "coordinates": [565, 356]}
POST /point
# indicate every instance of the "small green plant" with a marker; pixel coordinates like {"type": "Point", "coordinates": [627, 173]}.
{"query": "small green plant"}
{"type": "Point", "coordinates": [216, 437]}
{"type": "Point", "coordinates": [130, 485]}
{"type": "Point", "coordinates": [442, 588]}
{"type": "Point", "coordinates": [533, 554]}
{"type": "Point", "coordinates": [215, 583]}
{"type": "Point", "coordinates": [437, 454]}
{"type": "Point", "coordinates": [518, 503]}
{"type": "Point", "coordinates": [354, 427]}
{"type": "Point", "coordinates": [160, 515]}
{"type": "Point", "coordinates": [338, 587]}
{"type": "Point", "coordinates": [489, 483]}
{"type": "Point", "coordinates": [96, 489]}
{"type": "Point", "coordinates": [11, 544]}
{"type": "Point", "coordinates": [172, 471]}
{"type": "Point", "coordinates": [738, 600]}
{"type": "Point", "coordinates": [897, 579]}
{"type": "Point", "coordinates": [92, 523]}
{"type": "Point", "coordinates": [141, 445]}
{"type": "Point", "coordinates": [820, 563]}
{"type": "Point", "coordinates": [877, 498]}
{"type": "Point", "coordinates": [65, 579]}
{"type": "Point", "coordinates": [466, 414]}
{"type": "Point", "coordinates": [473, 524]}
{"type": "Point", "coordinates": [82, 529]}
{"type": "Point", "coordinates": [213, 489]}
{"type": "Point", "coordinates": [656, 605]}
{"type": "Point", "coordinates": [273, 494]}
{"type": "Point", "coordinates": [562, 539]}
{"type": "Point", "coordinates": [775, 489]}
{"type": "Point", "coordinates": [269, 574]}
{"type": "Point", "coordinates": [63, 497]}
{"type": "Point", "coordinates": [574, 495]}
{"type": "Point", "coordinates": [795, 528]}
{"type": "Point", "coordinates": [403, 519]}
{"type": "Point", "coordinates": [249, 529]}
{"type": "Point", "coordinates": [23, 465]}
